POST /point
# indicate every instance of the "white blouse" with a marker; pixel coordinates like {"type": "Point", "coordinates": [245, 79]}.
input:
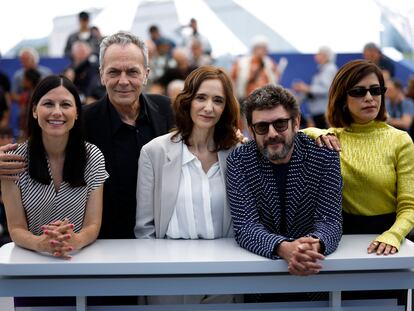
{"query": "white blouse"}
{"type": "Point", "coordinates": [199, 209]}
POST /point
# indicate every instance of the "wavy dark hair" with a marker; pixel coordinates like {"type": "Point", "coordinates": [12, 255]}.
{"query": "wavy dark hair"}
{"type": "Point", "coordinates": [346, 78]}
{"type": "Point", "coordinates": [75, 153]}
{"type": "Point", "coordinates": [268, 97]}
{"type": "Point", "coordinates": [225, 129]}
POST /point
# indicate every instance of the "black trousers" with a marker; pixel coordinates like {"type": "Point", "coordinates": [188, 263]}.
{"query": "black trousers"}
{"type": "Point", "coordinates": [356, 224]}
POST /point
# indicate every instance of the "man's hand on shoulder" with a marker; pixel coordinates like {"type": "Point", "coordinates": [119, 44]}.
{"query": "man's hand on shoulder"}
{"type": "Point", "coordinates": [302, 255]}
{"type": "Point", "coordinates": [329, 141]}
{"type": "Point", "coordinates": [11, 165]}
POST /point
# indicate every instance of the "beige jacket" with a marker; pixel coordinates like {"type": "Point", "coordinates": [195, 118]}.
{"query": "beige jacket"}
{"type": "Point", "coordinates": [159, 172]}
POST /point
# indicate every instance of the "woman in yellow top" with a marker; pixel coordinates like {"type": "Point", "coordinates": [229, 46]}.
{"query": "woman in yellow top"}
{"type": "Point", "coordinates": [377, 160]}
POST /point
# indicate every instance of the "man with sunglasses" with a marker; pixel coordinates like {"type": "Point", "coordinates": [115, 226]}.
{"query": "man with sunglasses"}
{"type": "Point", "coordinates": [284, 191]}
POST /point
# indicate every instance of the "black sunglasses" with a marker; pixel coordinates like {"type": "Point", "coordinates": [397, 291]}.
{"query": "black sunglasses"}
{"type": "Point", "coordinates": [361, 91]}
{"type": "Point", "coordinates": [262, 128]}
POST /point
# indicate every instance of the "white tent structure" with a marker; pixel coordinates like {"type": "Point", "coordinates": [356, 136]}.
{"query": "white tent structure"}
{"type": "Point", "coordinates": [291, 26]}
{"type": "Point", "coordinates": [294, 25]}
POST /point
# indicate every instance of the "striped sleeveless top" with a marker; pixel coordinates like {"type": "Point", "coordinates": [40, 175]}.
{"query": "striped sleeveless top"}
{"type": "Point", "coordinates": [43, 204]}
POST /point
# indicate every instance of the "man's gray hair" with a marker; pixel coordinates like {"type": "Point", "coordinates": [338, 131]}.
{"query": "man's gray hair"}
{"type": "Point", "coordinates": [33, 53]}
{"type": "Point", "coordinates": [327, 51]}
{"type": "Point", "coordinates": [122, 38]}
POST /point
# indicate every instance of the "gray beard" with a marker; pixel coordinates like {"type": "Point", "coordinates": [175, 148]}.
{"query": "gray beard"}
{"type": "Point", "coordinates": [280, 155]}
{"type": "Point", "coordinates": [275, 156]}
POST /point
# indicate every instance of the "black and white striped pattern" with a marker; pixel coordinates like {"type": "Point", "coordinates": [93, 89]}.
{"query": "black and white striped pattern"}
{"type": "Point", "coordinates": [44, 205]}
{"type": "Point", "coordinates": [313, 197]}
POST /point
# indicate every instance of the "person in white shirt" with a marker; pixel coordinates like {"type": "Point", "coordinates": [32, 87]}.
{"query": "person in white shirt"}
{"type": "Point", "coordinates": [181, 190]}
{"type": "Point", "coordinates": [316, 93]}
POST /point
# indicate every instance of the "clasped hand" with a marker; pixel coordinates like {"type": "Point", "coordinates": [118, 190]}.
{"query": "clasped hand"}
{"type": "Point", "coordinates": [59, 237]}
{"type": "Point", "coordinates": [302, 255]}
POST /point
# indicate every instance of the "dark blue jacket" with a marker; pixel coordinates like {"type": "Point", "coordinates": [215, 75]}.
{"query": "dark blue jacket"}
{"type": "Point", "coordinates": [313, 197]}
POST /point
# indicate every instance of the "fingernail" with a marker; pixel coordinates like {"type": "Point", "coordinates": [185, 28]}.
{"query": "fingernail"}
{"type": "Point", "coordinates": [72, 226]}
{"type": "Point", "coordinates": [46, 232]}
{"type": "Point", "coordinates": [70, 248]}
{"type": "Point", "coordinates": [52, 242]}
{"type": "Point", "coordinates": [57, 254]}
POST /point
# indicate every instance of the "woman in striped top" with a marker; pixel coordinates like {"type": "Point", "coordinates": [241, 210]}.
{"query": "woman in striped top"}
{"type": "Point", "coordinates": [55, 206]}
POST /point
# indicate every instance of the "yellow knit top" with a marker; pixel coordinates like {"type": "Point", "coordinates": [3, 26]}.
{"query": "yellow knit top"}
{"type": "Point", "coordinates": [377, 166]}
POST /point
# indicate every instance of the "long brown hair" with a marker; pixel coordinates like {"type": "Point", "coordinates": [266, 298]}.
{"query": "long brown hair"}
{"type": "Point", "coordinates": [225, 129]}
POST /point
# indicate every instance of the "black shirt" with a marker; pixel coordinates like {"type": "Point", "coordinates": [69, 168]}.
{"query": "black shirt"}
{"type": "Point", "coordinates": [387, 64]}
{"type": "Point", "coordinates": [280, 172]}
{"type": "Point", "coordinates": [87, 79]}
{"type": "Point", "coordinates": [4, 82]}
{"type": "Point", "coordinates": [4, 89]}
{"type": "Point", "coordinates": [127, 141]}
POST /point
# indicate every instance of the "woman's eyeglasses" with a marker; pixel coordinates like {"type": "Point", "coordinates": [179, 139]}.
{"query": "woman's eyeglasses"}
{"type": "Point", "coordinates": [262, 128]}
{"type": "Point", "coordinates": [361, 91]}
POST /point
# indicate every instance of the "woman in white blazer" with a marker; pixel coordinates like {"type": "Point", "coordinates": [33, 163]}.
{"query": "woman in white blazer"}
{"type": "Point", "coordinates": [207, 114]}
{"type": "Point", "coordinates": [181, 176]}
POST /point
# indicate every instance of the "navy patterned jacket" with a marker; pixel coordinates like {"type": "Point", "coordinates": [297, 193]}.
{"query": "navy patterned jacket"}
{"type": "Point", "coordinates": [313, 197]}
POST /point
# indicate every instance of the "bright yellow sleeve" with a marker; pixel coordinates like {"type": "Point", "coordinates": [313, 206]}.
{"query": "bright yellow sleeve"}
{"type": "Point", "coordinates": [314, 132]}
{"type": "Point", "coordinates": [405, 193]}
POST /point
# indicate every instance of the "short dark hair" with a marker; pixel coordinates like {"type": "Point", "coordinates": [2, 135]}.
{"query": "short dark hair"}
{"type": "Point", "coordinates": [153, 28]}
{"type": "Point", "coordinates": [33, 76]}
{"type": "Point", "coordinates": [83, 16]}
{"type": "Point", "coordinates": [347, 77]}
{"type": "Point", "coordinates": [225, 129]}
{"type": "Point", "coordinates": [371, 46]}
{"type": "Point", "coordinates": [269, 97]}
{"type": "Point", "coordinates": [75, 153]}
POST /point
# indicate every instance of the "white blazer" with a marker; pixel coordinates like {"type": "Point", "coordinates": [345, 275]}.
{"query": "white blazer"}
{"type": "Point", "coordinates": [159, 173]}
